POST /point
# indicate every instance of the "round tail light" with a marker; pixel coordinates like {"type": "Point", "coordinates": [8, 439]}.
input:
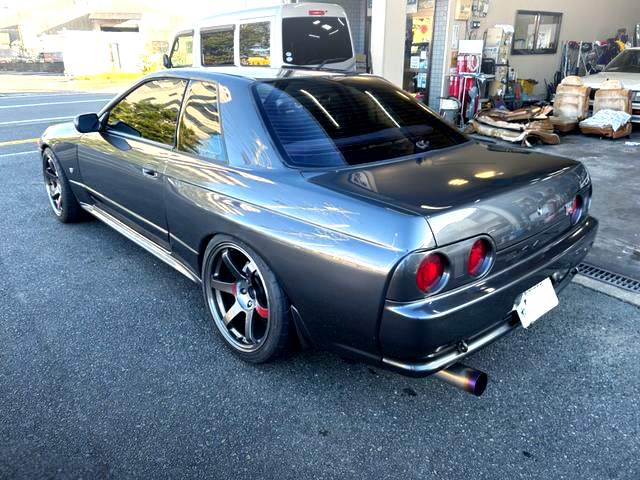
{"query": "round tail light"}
{"type": "Point", "coordinates": [575, 209]}
{"type": "Point", "coordinates": [479, 258]}
{"type": "Point", "coordinates": [431, 274]}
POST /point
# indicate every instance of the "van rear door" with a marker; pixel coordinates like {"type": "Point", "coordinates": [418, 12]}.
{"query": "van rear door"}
{"type": "Point", "coordinates": [316, 34]}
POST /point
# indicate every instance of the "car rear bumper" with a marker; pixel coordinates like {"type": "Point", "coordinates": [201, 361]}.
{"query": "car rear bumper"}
{"type": "Point", "coordinates": [635, 112]}
{"type": "Point", "coordinates": [419, 338]}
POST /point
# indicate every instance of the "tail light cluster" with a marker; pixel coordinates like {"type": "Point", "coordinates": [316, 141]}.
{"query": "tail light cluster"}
{"type": "Point", "coordinates": [480, 257]}
{"type": "Point", "coordinates": [434, 271]}
{"type": "Point", "coordinates": [574, 209]}
{"type": "Point", "coordinates": [577, 208]}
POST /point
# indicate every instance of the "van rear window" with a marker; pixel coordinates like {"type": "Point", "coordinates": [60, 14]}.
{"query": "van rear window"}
{"type": "Point", "coordinates": [349, 120]}
{"type": "Point", "coordinates": [314, 40]}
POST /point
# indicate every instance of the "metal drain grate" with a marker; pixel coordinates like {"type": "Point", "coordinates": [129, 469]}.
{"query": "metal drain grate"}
{"type": "Point", "coordinates": [611, 278]}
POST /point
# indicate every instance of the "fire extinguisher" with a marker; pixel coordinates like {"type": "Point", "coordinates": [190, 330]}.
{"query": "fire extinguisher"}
{"type": "Point", "coordinates": [454, 85]}
{"type": "Point", "coordinates": [462, 63]}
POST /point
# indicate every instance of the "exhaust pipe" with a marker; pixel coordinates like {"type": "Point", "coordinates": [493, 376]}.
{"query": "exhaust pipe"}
{"type": "Point", "coordinates": [466, 378]}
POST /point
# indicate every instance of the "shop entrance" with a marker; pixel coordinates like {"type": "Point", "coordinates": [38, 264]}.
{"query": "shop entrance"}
{"type": "Point", "coordinates": [417, 52]}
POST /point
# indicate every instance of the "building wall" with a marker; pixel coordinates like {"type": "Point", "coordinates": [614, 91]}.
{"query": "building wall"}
{"type": "Point", "coordinates": [439, 65]}
{"type": "Point", "coordinates": [388, 32]}
{"type": "Point", "coordinates": [581, 20]}
{"type": "Point", "coordinates": [74, 15]}
{"type": "Point", "coordinates": [90, 52]}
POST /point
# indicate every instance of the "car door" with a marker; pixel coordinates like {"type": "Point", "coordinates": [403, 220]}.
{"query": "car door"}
{"type": "Point", "coordinates": [122, 166]}
{"type": "Point", "coordinates": [198, 166]}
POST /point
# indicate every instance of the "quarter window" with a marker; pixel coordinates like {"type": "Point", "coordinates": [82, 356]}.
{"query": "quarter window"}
{"type": "Point", "coordinates": [255, 44]}
{"type": "Point", "coordinates": [182, 51]}
{"type": "Point", "coordinates": [150, 111]}
{"type": "Point", "coordinates": [200, 132]}
{"type": "Point", "coordinates": [217, 47]}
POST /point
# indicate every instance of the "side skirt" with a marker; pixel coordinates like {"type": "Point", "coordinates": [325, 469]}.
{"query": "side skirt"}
{"type": "Point", "coordinates": [142, 241]}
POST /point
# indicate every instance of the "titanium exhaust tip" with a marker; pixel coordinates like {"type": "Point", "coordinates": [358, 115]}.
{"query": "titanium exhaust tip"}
{"type": "Point", "coordinates": [465, 378]}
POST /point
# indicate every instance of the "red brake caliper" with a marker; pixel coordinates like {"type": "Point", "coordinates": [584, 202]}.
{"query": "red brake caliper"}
{"type": "Point", "coordinates": [263, 312]}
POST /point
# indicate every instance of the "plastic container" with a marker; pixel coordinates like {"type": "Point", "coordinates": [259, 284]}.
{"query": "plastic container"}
{"type": "Point", "coordinates": [527, 85]}
{"type": "Point", "coordinates": [449, 108]}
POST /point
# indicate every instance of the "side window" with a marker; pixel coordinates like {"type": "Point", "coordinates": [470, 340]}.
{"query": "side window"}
{"type": "Point", "coordinates": [200, 132]}
{"type": "Point", "coordinates": [182, 51]}
{"type": "Point", "coordinates": [255, 44]}
{"type": "Point", "coordinates": [150, 111]}
{"type": "Point", "coordinates": [217, 47]}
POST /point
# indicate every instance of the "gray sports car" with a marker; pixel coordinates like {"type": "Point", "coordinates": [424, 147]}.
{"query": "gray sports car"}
{"type": "Point", "coordinates": [329, 210]}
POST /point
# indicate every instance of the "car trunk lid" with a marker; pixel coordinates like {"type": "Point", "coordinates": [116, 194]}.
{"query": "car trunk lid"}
{"type": "Point", "coordinates": [474, 189]}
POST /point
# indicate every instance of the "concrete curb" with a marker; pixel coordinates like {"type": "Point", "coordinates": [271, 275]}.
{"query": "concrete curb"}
{"type": "Point", "coordinates": [615, 292]}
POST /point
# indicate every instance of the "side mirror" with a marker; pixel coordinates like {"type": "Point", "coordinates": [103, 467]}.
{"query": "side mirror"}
{"type": "Point", "coordinates": [87, 123]}
{"type": "Point", "coordinates": [166, 61]}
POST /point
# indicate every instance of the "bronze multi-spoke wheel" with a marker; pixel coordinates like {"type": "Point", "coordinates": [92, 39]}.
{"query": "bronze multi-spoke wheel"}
{"type": "Point", "coordinates": [245, 301]}
{"type": "Point", "coordinates": [61, 198]}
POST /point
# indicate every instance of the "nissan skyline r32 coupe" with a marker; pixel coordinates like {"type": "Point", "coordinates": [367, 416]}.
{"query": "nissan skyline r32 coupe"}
{"type": "Point", "coordinates": [327, 208]}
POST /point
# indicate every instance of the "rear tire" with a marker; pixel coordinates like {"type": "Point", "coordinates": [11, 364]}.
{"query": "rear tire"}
{"type": "Point", "coordinates": [245, 301]}
{"type": "Point", "coordinates": [63, 202]}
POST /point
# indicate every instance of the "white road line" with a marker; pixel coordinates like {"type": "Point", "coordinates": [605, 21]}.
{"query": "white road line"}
{"type": "Point", "coordinates": [19, 153]}
{"type": "Point", "coordinates": [54, 103]}
{"type": "Point", "coordinates": [4, 96]}
{"type": "Point", "coordinates": [35, 120]}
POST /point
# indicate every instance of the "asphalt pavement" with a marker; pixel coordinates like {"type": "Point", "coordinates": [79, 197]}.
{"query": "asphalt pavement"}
{"type": "Point", "coordinates": [109, 368]}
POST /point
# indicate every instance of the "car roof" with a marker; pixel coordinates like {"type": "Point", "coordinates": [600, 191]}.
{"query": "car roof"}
{"type": "Point", "coordinates": [249, 73]}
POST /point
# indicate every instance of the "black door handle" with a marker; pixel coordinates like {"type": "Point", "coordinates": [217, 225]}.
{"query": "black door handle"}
{"type": "Point", "coordinates": [149, 172]}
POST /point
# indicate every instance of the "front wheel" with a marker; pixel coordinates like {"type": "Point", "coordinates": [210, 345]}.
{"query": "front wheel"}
{"type": "Point", "coordinates": [245, 301]}
{"type": "Point", "coordinates": [62, 200]}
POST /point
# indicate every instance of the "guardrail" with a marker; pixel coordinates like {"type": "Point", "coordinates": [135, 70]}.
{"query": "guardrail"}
{"type": "Point", "coordinates": [35, 67]}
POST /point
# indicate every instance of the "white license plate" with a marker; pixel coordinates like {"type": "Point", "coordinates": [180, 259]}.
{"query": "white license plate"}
{"type": "Point", "coordinates": [535, 302]}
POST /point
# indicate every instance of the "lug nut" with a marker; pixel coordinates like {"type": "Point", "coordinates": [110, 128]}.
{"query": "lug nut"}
{"type": "Point", "coordinates": [243, 291]}
{"type": "Point", "coordinates": [249, 304]}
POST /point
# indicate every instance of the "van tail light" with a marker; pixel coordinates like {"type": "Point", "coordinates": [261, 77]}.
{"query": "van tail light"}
{"type": "Point", "coordinates": [574, 209]}
{"type": "Point", "coordinates": [316, 13]}
{"type": "Point", "coordinates": [432, 273]}
{"type": "Point", "coordinates": [479, 259]}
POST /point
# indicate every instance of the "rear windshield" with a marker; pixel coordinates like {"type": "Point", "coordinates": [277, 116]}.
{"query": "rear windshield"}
{"type": "Point", "coordinates": [315, 40]}
{"type": "Point", "coordinates": [323, 122]}
{"type": "Point", "coordinates": [627, 61]}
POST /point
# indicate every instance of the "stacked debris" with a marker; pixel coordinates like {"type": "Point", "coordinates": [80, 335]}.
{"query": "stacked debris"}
{"type": "Point", "coordinates": [611, 111]}
{"type": "Point", "coordinates": [525, 125]}
{"type": "Point", "coordinates": [607, 123]}
{"type": "Point", "coordinates": [571, 104]}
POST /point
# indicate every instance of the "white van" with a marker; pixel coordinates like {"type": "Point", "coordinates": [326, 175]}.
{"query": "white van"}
{"type": "Point", "coordinates": [294, 34]}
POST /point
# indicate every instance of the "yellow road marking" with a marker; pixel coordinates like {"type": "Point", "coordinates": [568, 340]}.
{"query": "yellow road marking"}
{"type": "Point", "coordinates": [18, 142]}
